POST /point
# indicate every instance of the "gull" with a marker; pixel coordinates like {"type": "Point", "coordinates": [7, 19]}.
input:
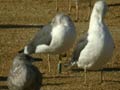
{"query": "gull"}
{"type": "Point", "coordinates": [96, 47]}
{"type": "Point", "coordinates": [54, 38]}
{"type": "Point", "coordinates": [23, 75]}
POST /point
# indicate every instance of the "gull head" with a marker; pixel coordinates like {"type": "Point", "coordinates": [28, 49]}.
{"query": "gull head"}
{"type": "Point", "coordinates": [61, 19]}
{"type": "Point", "coordinates": [101, 7]}
{"type": "Point", "coordinates": [22, 58]}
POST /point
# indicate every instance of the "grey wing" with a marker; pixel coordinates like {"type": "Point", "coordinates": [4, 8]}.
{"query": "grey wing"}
{"type": "Point", "coordinates": [80, 46]}
{"type": "Point", "coordinates": [42, 37]}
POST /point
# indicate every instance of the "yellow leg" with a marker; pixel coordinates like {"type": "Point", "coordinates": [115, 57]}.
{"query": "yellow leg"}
{"type": "Point", "coordinates": [89, 11]}
{"type": "Point", "coordinates": [101, 77]}
{"type": "Point", "coordinates": [56, 5]}
{"type": "Point", "coordinates": [60, 65]}
{"type": "Point", "coordinates": [85, 72]}
{"type": "Point", "coordinates": [49, 63]}
{"type": "Point", "coordinates": [69, 4]}
{"type": "Point", "coordinates": [77, 11]}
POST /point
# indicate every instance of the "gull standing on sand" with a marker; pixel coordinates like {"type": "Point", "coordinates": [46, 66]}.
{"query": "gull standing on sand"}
{"type": "Point", "coordinates": [95, 48]}
{"type": "Point", "coordinates": [54, 38]}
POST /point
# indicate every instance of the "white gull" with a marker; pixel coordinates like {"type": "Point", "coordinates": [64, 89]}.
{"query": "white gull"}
{"type": "Point", "coordinates": [96, 47]}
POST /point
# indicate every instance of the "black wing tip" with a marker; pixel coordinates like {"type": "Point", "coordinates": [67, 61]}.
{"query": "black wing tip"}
{"type": "Point", "coordinates": [21, 51]}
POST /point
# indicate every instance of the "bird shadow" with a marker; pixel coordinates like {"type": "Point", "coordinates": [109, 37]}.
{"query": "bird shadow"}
{"type": "Point", "coordinates": [115, 81]}
{"type": "Point", "coordinates": [117, 16]}
{"type": "Point", "coordinates": [3, 87]}
{"type": "Point", "coordinates": [54, 84]}
{"type": "Point", "coordinates": [3, 78]}
{"type": "Point", "coordinates": [110, 69]}
{"type": "Point", "coordinates": [104, 69]}
{"type": "Point", "coordinates": [61, 76]}
{"type": "Point", "coordinates": [117, 4]}
{"type": "Point", "coordinates": [7, 26]}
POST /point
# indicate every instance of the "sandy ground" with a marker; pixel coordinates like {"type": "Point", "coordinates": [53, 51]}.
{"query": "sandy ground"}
{"type": "Point", "coordinates": [29, 12]}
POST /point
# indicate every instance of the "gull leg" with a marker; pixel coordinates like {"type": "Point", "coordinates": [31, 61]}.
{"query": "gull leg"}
{"type": "Point", "coordinates": [1, 69]}
{"type": "Point", "coordinates": [59, 64]}
{"type": "Point", "coordinates": [56, 5]}
{"type": "Point", "coordinates": [113, 63]}
{"type": "Point", "coordinates": [49, 63]}
{"type": "Point", "coordinates": [101, 77]}
{"type": "Point", "coordinates": [77, 10]}
{"type": "Point", "coordinates": [69, 4]}
{"type": "Point", "coordinates": [89, 11]}
{"type": "Point", "coordinates": [85, 72]}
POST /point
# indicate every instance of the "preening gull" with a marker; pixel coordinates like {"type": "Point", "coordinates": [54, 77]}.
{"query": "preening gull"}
{"type": "Point", "coordinates": [54, 38]}
{"type": "Point", "coordinates": [96, 47]}
{"type": "Point", "coordinates": [23, 75]}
